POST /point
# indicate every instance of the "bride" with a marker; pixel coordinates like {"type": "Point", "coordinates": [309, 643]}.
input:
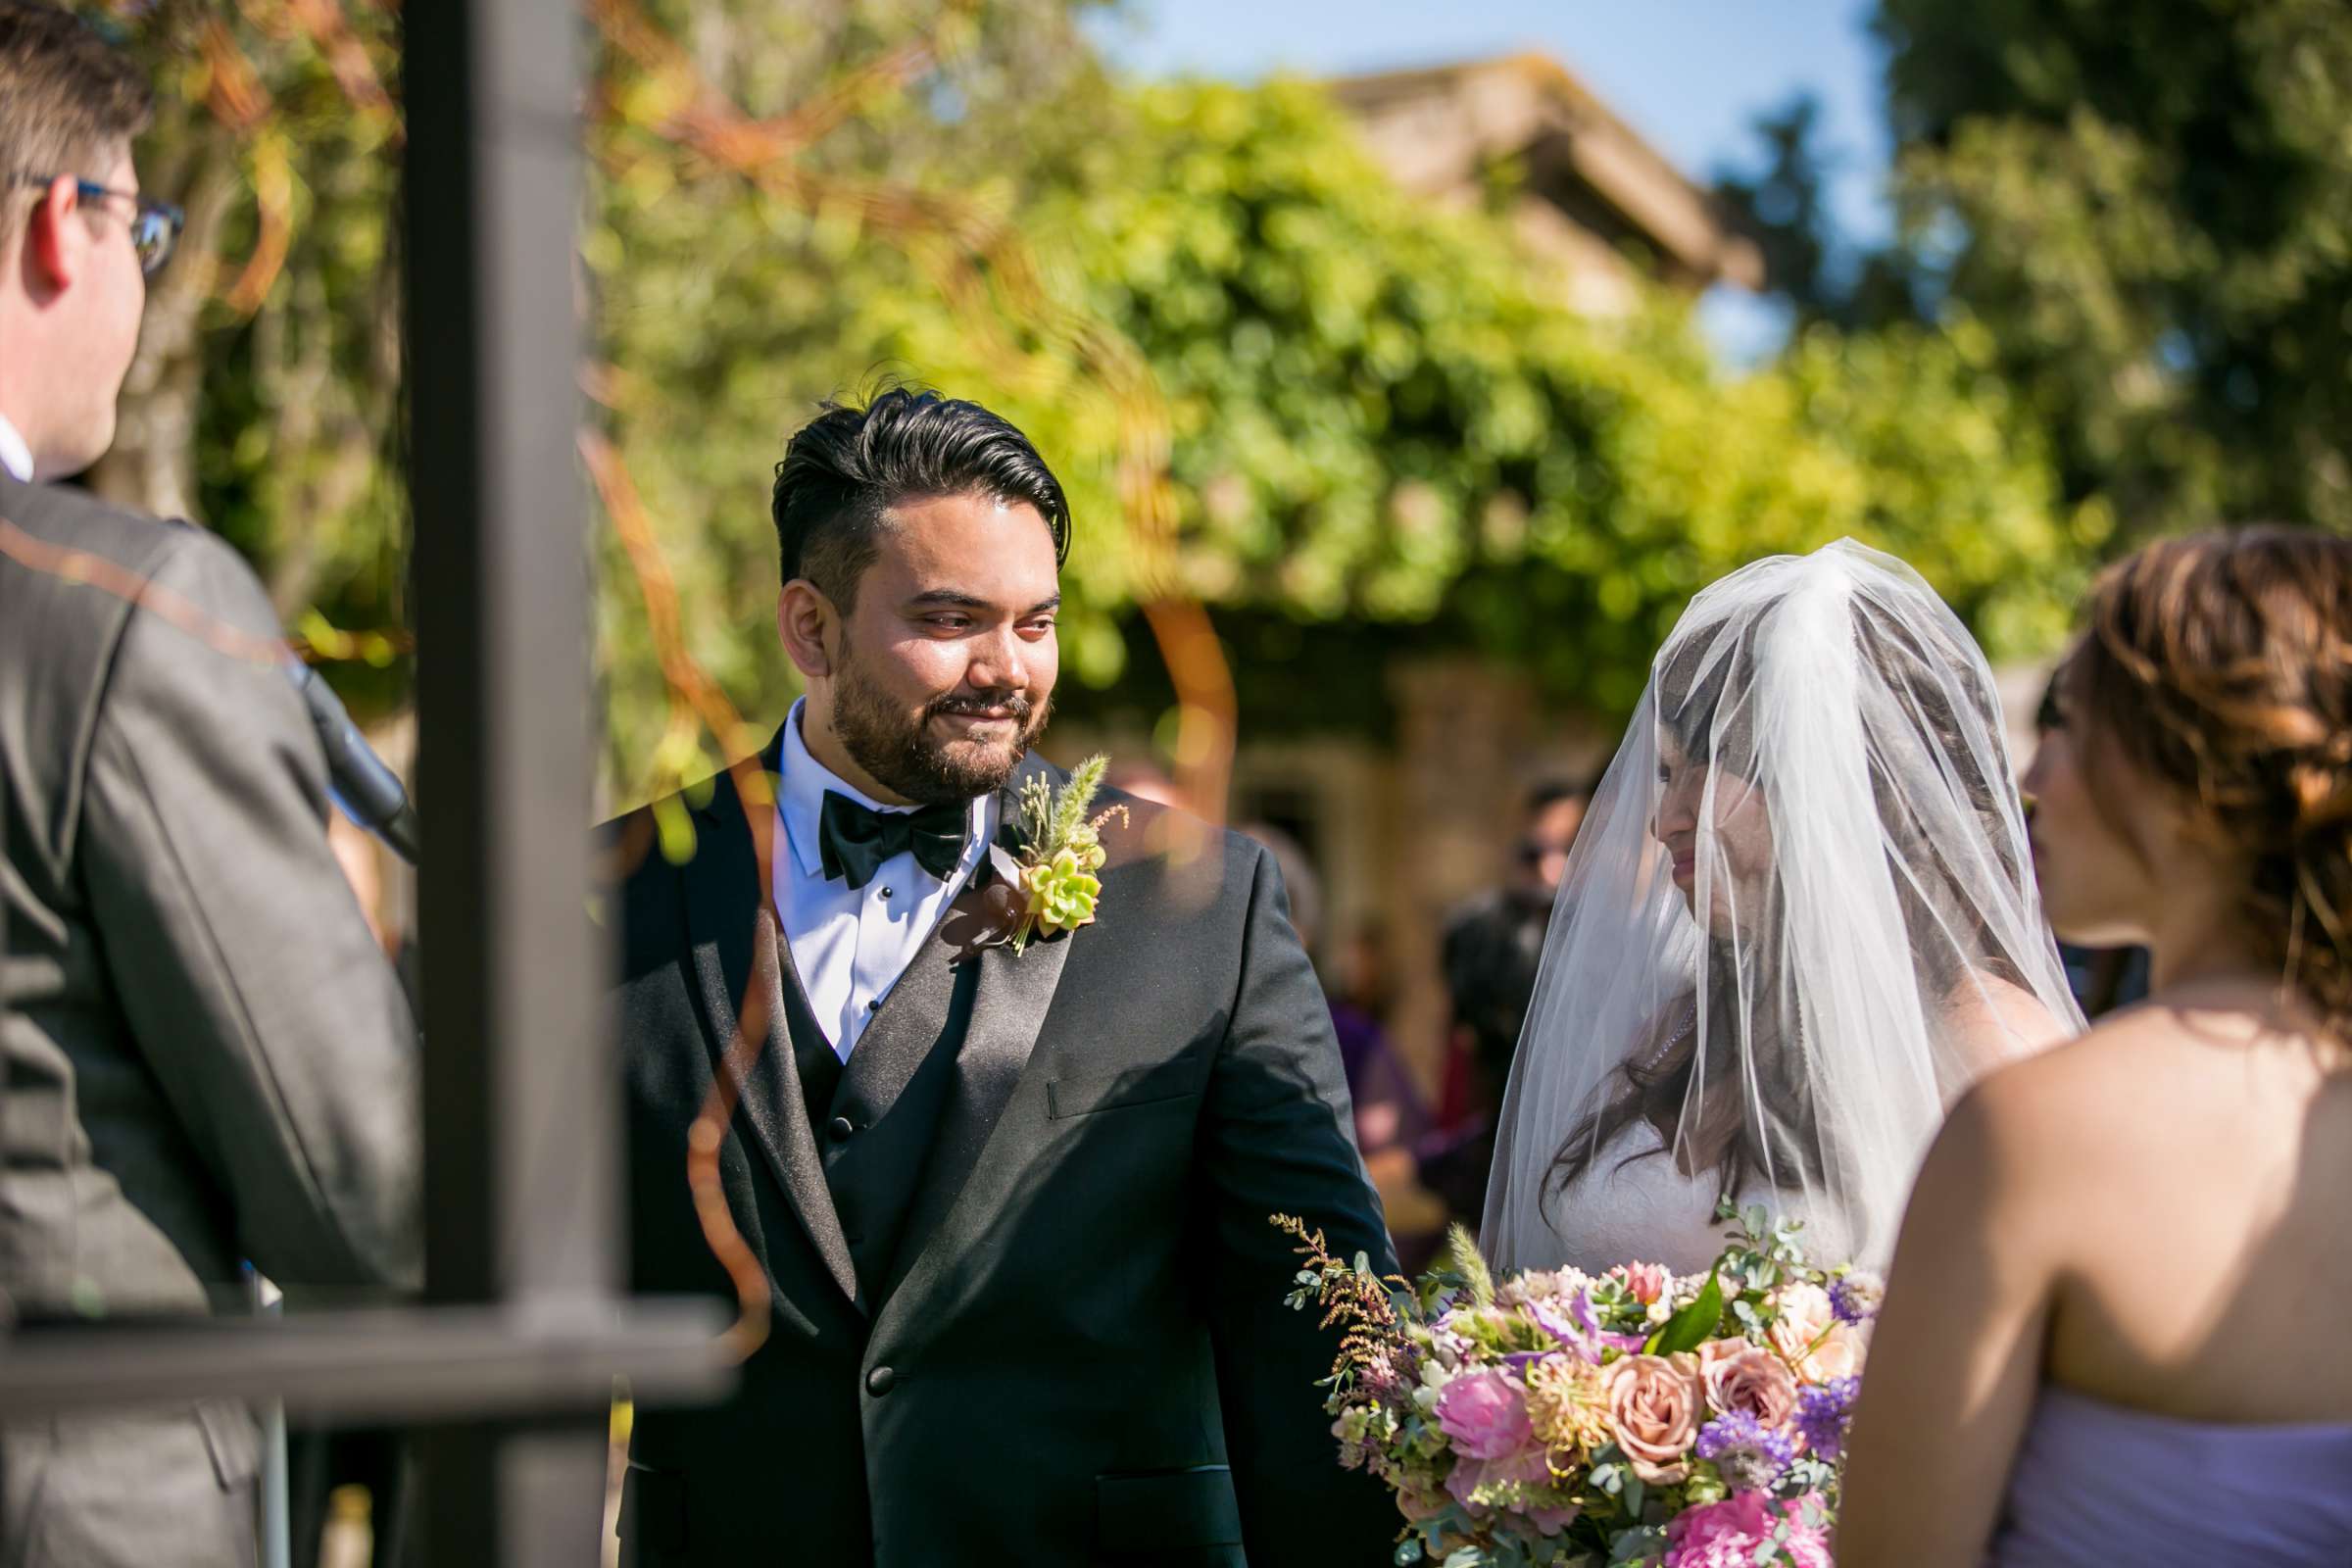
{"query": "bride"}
{"type": "Point", "coordinates": [1798, 920]}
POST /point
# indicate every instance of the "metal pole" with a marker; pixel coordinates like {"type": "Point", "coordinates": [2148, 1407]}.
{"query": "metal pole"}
{"type": "Point", "coordinates": [523, 1143]}
{"type": "Point", "coordinates": [277, 1512]}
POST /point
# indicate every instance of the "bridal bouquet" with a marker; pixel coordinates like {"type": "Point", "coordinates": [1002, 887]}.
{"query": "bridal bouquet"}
{"type": "Point", "coordinates": [1638, 1417]}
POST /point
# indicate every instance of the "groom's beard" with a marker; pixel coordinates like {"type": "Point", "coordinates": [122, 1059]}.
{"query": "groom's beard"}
{"type": "Point", "coordinates": [900, 754]}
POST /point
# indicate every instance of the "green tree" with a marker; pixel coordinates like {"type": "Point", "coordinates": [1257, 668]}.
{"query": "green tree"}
{"type": "Point", "coordinates": [1273, 382]}
{"type": "Point", "coordinates": [2148, 203]}
{"type": "Point", "coordinates": [1822, 273]}
{"type": "Point", "coordinates": [1379, 412]}
{"type": "Point", "coordinates": [265, 399]}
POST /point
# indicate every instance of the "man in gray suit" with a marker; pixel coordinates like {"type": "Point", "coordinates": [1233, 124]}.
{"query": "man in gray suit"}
{"type": "Point", "coordinates": [207, 1060]}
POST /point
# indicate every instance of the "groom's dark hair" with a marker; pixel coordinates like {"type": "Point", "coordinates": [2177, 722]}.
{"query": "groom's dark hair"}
{"type": "Point", "coordinates": [848, 467]}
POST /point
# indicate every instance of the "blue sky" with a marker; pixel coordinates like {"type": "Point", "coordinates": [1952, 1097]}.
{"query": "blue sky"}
{"type": "Point", "coordinates": [1691, 75]}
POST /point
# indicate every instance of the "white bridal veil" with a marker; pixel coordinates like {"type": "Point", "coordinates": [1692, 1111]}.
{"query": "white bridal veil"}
{"type": "Point", "coordinates": [1800, 918]}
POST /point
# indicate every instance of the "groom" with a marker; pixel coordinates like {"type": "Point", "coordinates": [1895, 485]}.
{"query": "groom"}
{"type": "Point", "coordinates": [1024, 1305]}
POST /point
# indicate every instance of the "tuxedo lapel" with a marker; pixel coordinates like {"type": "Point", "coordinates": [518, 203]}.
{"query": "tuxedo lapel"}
{"type": "Point", "coordinates": [1011, 998]}
{"type": "Point", "coordinates": [1008, 1008]}
{"type": "Point", "coordinates": [739, 960]}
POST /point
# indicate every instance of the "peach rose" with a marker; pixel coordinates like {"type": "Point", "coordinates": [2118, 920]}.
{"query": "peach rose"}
{"type": "Point", "coordinates": [1656, 1405]}
{"type": "Point", "coordinates": [1809, 1337]}
{"type": "Point", "coordinates": [1750, 1380]}
{"type": "Point", "coordinates": [1711, 1351]}
{"type": "Point", "coordinates": [1838, 1356]}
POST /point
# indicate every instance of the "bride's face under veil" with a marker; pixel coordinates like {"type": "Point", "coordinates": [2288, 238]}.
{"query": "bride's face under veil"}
{"type": "Point", "coordinates": [1737, 826]}
{"type": "Point", "coordinates": [1798, 921]}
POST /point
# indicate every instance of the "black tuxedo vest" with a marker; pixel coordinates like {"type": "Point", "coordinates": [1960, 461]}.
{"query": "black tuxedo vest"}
{"type": "Point", "coordinates": [875, 1118]}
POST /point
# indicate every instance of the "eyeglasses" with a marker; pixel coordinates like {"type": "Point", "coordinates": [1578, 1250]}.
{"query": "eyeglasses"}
{"type": "Point", "coordinates": [154, 225]}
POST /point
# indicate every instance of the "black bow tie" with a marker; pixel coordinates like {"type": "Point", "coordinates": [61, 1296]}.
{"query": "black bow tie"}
{"type": "Point", "coordinates": [854, 840]}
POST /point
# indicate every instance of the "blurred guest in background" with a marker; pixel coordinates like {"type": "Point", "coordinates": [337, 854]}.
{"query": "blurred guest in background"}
{"type": "Point", "coordinates": [2103, 1339]}
{"type": "Point", "coordinates": [1145, 782]}
{"type": "Point", "coordinates": [1490, 926]}
{"type": "Point", "coordinates": [1491, 960]}
{"type": "Point", "coordinates": [1389, 1109]}
{"type": "Point", "coordinates": [1555, 810]}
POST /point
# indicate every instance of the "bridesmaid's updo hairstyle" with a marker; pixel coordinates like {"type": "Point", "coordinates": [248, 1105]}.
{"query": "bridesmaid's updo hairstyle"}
{"type": "Point", "coordinates": [2221, 665]}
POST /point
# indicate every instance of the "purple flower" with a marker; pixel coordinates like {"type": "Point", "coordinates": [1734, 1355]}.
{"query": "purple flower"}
{"type": "Point", "coordinates": [1749, 1454]}
{"type": "Point", "coordinates": [1855, 1297]}
{"type": "Point", "coordinates": [1824, 1413]}
{"type": "Point", "coordinates": [1570, 1333]}
{"type": "Point", "coordinates": [1580, 1309]}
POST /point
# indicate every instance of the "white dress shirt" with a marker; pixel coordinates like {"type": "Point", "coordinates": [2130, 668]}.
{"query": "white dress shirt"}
{"type": "Point", "coordinates": [15, 456]}
{"type": "Point", "coordinates": [850, 944]}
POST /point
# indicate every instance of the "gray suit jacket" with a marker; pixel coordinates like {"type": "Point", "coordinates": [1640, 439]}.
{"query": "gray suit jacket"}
{"type": "Point", "coordinates": [207, 1058]}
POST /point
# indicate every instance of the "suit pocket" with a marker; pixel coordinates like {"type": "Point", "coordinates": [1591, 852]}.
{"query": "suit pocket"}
{"type": "Point", "coordinates": [1084, 1093]}
{"type": "Point", "coordinates": [1167, 1510]}
{"type": "Point", "coordinates": [652, 1512]}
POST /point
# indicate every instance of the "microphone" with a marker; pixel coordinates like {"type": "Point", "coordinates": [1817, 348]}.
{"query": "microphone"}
{"type": "Point", "coordinates": [368, 790]}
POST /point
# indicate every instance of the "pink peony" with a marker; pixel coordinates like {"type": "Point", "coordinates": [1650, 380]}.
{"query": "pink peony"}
{"type": "Point", "coordinates": [1736, 1532]}
{"type": "Point", "coordinates": [1748, 1378]}
{"type": "Point", "coordinates": [1484, 1415]}
{"type": "Point", "coordinates": [1655, 1406]}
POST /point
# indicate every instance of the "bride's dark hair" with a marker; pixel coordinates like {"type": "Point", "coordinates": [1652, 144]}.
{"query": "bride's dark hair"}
{"type": "Point", "coordinates": [1702, 694]}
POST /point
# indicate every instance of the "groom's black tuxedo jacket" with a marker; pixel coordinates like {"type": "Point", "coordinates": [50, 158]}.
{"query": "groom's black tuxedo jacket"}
{"type": "Point", "coordinates": [1025, 1305]}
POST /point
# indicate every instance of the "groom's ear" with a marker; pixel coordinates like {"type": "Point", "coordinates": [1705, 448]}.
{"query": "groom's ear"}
{"type": "Point", "coordinates": [807, 624]}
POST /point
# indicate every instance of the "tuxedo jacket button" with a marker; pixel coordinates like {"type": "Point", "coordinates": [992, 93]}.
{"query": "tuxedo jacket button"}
{"type": "Point", "coordinates": [880, 1381]}
{"type": "Point", "coordinates": [840, 1128]}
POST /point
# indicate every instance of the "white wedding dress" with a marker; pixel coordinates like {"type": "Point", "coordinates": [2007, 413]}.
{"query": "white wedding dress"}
{"type": "Point", "coordinates": [1809, 845]}
{"type": "Point", "coordinates": [1642, 1210]}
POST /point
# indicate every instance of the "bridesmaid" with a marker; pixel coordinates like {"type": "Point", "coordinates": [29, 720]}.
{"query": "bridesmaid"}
{"type": "Point", "coordinates": [2114, 1330]}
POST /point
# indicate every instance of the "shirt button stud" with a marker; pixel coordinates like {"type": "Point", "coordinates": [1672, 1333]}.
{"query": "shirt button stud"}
{"type": "Point", "coordinates": [840, 1128]}
{"type": "Point", "coordinates": [880, 1381]}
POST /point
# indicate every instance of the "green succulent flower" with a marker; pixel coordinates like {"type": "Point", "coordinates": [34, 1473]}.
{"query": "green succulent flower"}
{"type": "Point", "coordinates": [1061, 892]}
{"type": "Point", "coordinates": [1064, 850]}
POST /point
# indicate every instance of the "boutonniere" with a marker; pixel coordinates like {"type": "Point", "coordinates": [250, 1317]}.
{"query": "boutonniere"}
{"type": "Point", "coordinates": [1042, 877]}
{"type": "Point", "coordinates": [1062, 853]}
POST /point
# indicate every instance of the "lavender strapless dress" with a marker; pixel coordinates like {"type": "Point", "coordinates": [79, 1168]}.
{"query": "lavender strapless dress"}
{"type": "Point", "coordinates": [2098, 1484]}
